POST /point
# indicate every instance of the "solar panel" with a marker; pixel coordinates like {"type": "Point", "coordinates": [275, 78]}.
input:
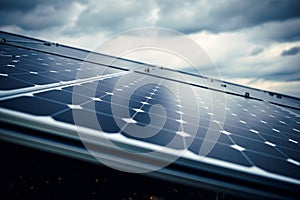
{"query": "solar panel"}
{"type": "Point", "coordinates": [45, 87]}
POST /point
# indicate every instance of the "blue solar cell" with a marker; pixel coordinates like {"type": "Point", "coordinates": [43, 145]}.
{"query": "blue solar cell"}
{"type": "Point", "coordinates": [78, 89]}
{"type": "Point", "coordinates": [238, 131]}
{"type": "Point", "coordinates": [220, 152]}
{"type": "Point", "coordinates": [34, 78]}
{"type": "Point", "coordinates": [256, 145]}
{"type": "Point", "coordinates": [32, 105]}
{"type": "Point", "coordinates": [8, 83]}
{"type": "Point", "coordinates": [292, 153]}
{"type": "Point", "coordinates": [162, 138]}
{"type": "Point", "coordinates": [58, 76]}
{"type": "Point", "coordinates": [274, 165]}
{"type": "Point", "coordinates": [63, 97]}
{"type": "Point", "coordinates": [10, 70]}
{"type": "Point", "coordinates": [106, 122]}
{"type": "Point", "coordinates": [282, 141]}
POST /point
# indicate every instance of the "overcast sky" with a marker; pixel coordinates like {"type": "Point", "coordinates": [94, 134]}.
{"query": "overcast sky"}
{"type": "Point", "coordinates": [256, 42]}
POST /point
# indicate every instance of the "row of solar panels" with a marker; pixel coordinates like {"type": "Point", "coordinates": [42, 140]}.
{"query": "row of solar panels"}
{"type": "Point", "coordinates": [57, 55]}
{"type": "Point", "coordinates": [255, 140]}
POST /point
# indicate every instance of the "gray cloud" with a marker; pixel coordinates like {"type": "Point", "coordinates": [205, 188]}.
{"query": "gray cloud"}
{"type": "Point", "coordinates": [263, 24]}
{"type": "Point", "coordinates": [283, 76]}
{"type": "Point", "coordinates": [112, 16]}
{"type": "Point", "coordinates": [277, 19]}
{"type": "Point", "coordinates": [291, 52]}
{"type": "Point", "coordinates": [18, 5]}
{"type": "Point", "coordinates": [225, 15]}
{"type": "Point", "coordinates": [256, 51]}
{"type": "Point", "coordinates": [275, 69]}
{"type": "Point", "coordinates": [35, 15]}
{"type": "Point", "coordinates": [280, 31]}
{"type": "Point", "coordinates": [184, 16]}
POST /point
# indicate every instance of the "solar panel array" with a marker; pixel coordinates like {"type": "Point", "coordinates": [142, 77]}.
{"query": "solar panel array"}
{"type": "Point", "coordinates": [260, 134]}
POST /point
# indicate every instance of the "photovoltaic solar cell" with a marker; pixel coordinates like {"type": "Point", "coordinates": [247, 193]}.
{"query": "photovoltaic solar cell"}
{"type": "Point", "coordinates": [262, 132]}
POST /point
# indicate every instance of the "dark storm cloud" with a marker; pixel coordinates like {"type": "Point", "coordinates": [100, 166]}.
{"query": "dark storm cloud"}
{"type": "Point", "coordinates": [291, 52]}
{"type": "Point", "coordinates": [29, 5]}
{"type": "Point", "coordinates": [184, 16]}
{"type": "Point", "coordinates": [281, 17]}
{"type": "Point", "coordinates": [284, 31]}
{"type": "Point", "coordinates": [34, 14]}
{"type": "Point", "coordinates": [193, 16]}
{"type": "Point", "coordinates": [18, 5]}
